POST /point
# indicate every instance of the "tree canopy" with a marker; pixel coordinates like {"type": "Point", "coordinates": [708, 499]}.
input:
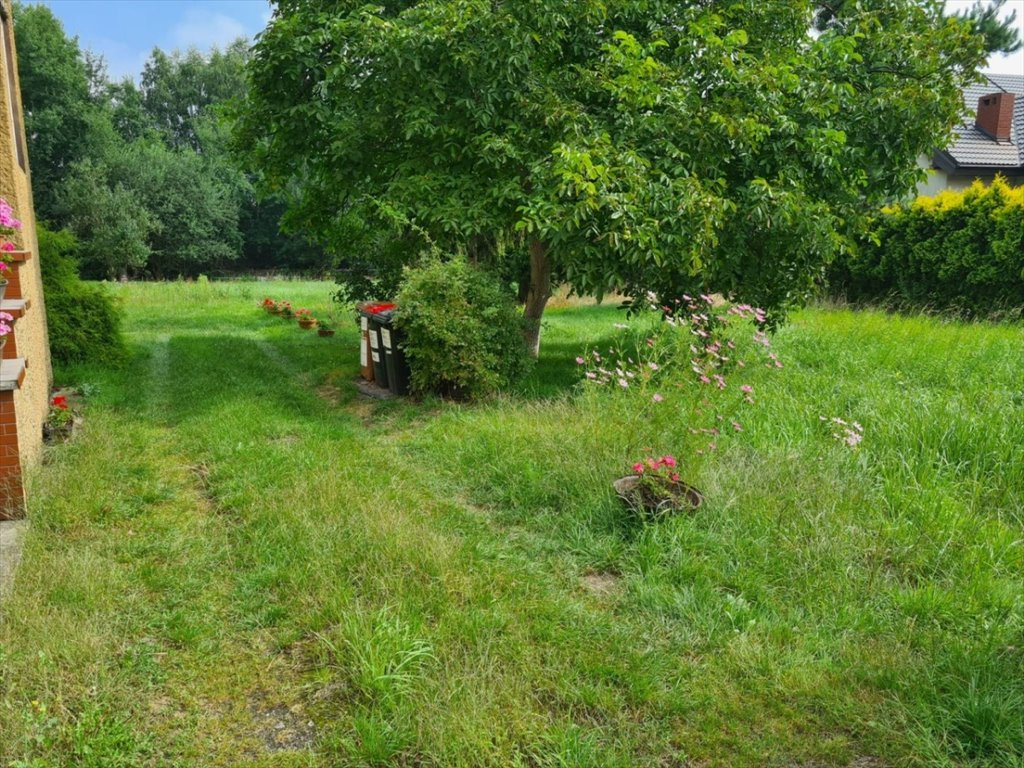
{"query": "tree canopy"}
{"type": "Point", "coordinates": [636, 145]}
{"type": "Point", "coordinates": [143, 174]}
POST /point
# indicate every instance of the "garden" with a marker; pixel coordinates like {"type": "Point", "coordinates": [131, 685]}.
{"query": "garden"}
{"type": "Point", "coordinates": [240, 560]}
{"type": "Point", "coordinates": [708, 514]}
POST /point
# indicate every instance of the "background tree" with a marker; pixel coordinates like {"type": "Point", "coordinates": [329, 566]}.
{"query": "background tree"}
{"type": "Point", "coordinates": [113, 227]}
{"type": "Point", "coordinates": [143, 175]}
{"type": "Point", "coordinates": [63, 122]}
{"type": "Point", "coordinates": [635, 146]}
{"type": "Point", "coordinates": [179, 89]}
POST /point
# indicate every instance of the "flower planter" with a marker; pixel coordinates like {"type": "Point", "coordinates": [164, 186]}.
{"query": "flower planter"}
{"type": "Point", "coordinates": [324, 332]}
{"type": "Point", "coordinates": [307, 324]}
{"type": "Point", "coordinates": [672, 496]}
{"type": "Point", "coordinates": [3, 287]}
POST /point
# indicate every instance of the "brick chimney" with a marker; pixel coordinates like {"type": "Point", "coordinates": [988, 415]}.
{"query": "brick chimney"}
{"type": "Point", "coordinates": [995, 115]}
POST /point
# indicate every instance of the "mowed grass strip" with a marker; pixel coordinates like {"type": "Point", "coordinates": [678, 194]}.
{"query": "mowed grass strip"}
{"type": "Point", "coordinates": [240, 562]}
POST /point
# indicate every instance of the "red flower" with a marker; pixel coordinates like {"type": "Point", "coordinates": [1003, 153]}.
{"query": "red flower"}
{"type": "Point", "coordinates": [60, 402]}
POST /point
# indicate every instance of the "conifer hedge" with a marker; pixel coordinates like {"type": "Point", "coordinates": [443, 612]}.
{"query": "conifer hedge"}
{"type": "Point", "coordinates": [956, 251]}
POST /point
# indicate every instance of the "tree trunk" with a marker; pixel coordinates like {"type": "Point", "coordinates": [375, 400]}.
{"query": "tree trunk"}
{"type": "Point", "coordinates": [538, 294]}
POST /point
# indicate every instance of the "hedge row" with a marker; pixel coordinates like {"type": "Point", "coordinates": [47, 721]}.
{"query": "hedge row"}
{"type": "Point", "coordinates": [959, 251]}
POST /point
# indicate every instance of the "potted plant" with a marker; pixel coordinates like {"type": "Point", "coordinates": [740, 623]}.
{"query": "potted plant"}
{"type": "Point", "coordinates": [60, 420]}
{"type": "Point", "coordinates": [6, 327]}
{"type": "Point", "coordinates": [269, 306]}
{"type": "Point", "coordinates": [689, 343]}
{"type": "Point", "coordinates": [284, 309]}
{"type": "Point", "coordinates": [305, 318]}
{"type": "Point", "coordinates": [326, 327]}
{"type": "Point", "coordinates": [8, 226]}
{"type": "Point", "coordinates": [655, 489]}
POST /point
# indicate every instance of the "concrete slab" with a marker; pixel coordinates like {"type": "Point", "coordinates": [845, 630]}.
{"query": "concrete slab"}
{"type": "Point", "coordinates": [12, 533]}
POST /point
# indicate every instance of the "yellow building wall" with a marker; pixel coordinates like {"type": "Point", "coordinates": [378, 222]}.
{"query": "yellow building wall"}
{"type": "Point", "coordinates": [32, 398]}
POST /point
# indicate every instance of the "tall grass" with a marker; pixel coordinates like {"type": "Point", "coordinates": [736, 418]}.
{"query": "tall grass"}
{"type": "Point", "coordinates": [237, 542]}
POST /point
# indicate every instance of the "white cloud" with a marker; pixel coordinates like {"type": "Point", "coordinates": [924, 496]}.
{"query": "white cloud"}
{"type": "Point", "coordinates": [204, 29]}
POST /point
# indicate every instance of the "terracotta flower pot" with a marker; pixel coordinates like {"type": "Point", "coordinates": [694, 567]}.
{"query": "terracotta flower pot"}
{"type": "Point", "coordinates": [671, 496]}
{"type": "Point", "coordinates": [324, 331]}
{"type": "Point", "coordinates": [307, 323]}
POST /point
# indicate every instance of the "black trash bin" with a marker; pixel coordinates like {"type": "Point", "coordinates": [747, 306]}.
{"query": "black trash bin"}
{"type": "Point", "coordinates": [394, 357]}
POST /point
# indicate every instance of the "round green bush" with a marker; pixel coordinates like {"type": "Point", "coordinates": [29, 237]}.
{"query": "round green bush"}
{"type": "Point", "coordinates": [462, 331]}
{"type": "Point", "coordinates": [83, 320]}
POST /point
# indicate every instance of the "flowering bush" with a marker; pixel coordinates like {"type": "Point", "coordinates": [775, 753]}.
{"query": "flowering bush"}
{"type": "Point", "coordinates": [695, 359]}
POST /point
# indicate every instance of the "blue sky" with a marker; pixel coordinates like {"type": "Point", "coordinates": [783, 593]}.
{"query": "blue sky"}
{"type": "Point", "coordinates": [126, 31]}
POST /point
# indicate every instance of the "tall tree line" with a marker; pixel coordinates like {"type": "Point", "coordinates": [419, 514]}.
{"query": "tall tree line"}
{"type": "Point", "coordinates": [142, 174]}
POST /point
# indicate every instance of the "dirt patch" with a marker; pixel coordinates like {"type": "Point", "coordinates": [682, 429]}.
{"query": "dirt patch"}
{"type": "Point", "coordinates": [284, 440]}
{"type": "Point", "coordinates": [600, 584]}
{"type": "Point", "coordinates": [280, 727]}
{"type": "Point", "coordinates": [329, 393]}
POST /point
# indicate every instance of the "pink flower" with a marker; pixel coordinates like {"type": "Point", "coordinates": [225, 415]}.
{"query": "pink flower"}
{"type": "Point", "coordinates": [638, 468]}
{"type": "Point", "coordinates": [674, 477]}
{"type": "Point", "coordinates": [623, 383]}
{"type": "Point", "coordinates": [657, 398]}
{"type": "Point", "coordinates": [746, 389]}
{"type": "Point", "coordinates": [580, 361]}
{"type": "Point", "coordinates": [736, 425]}
{"type": "Point", "coordinates": [7, 245]}
{"type": "Point", "coordinates": [668, 461]}
{"type": "Point", "coordinates": [705, 380]}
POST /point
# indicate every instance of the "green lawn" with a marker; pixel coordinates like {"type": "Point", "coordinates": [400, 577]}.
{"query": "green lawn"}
{"type": "Point", "coordinates": [240, 562]}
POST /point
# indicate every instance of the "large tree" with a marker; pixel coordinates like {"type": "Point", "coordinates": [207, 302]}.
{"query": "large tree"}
{"type": "Point", "coordinates": [639, 144]}
{"type": "Point", "coordinates": [64, 122]}
{"type": "Point", "coordinates": [634, 145]}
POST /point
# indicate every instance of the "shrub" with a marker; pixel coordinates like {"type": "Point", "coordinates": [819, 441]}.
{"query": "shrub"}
{"type": "Point", "coordinates": [84, 320]}
{"type": "Point", "coordinates": [960, 251]}
{"type": "Point", "coordinates": [462, 330]}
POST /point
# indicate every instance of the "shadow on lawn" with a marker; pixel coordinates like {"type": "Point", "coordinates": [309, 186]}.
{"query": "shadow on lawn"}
{"type": "Point", "coordinates": [556, 371]}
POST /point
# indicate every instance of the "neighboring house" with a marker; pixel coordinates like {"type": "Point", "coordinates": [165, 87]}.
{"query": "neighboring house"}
{"type": "Point", "coordinates": [990, 140]}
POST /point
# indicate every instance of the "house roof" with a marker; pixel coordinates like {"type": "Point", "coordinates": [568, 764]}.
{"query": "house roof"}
{"type": "Point", "coordinates": [973, 148]}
